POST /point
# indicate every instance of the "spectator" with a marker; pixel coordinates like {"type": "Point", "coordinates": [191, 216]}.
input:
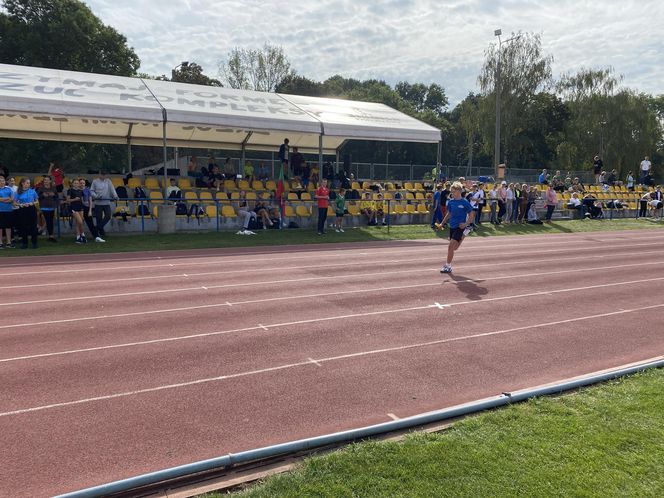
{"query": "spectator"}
{"type": "Point", "coordinates": [493, 205]}
{"type": "Point", "coordinates": [575, 203]}
{"type": "Point", "coordinates": [598, 167]}
{"type": "Point", "coordinates": [4, 172]}
{"type": "Point", "coordinates": [339, 210]}
{"type": "Point", "coordinates": [58, 175]}
{"type": "Point", "coordinates": [480, 202]}
{"type": "Point", "coordinates": [543, 178]}
{"type": "Point", "coordinates": [48, 203]}
{"type": "Point", "coordinates": [515, 204]}
{"type": "Point", "coordinates": [644, 203]}
{"type": "Point", "coordinates": [509, 202]}
{"type": "Point", "coordinates": [192, 167]}
{"type": "Point", "coordinates": [322, 196]}
{"type": "Point", "coordinates": [88, 205]}
{"type": "Point", "coordinates": [284, 156]}
{"type": "Point", "coordinates": [263, 173]}
{"type": "Point", "coordinates": [245, 214]}
{"type": "Point", "coordinates": [367, 209]}
{"type": "Point", "coordinates": [612, 179]}
{"type": "Point", "coordinates": [296, 160]}
{"type": "Point", "coordinates": [533, 219]}
{"type": "Point", "coordinates": [523, 202]}
{"type": "Point", "coordinates": [533, 196]}
{"type": "Point", "coordinates": [602, 178]}
{"type": "Point", "coordinates": [568, 183]}
{"type": "Point", "coordinates": [551, 203]}
{"type": "Point", "coordinates": [592, 207]}
{"type": "Point", "coordinates": [646, 170]}
{"type": "Point", "coordinates": [379, 209]}
{"type": "Point", "coordinates": [74, 198]}
{"type": "Point", "coordinates": [314, 174]}
{"type": "Point", "coordinates": [263, 212]}
{"type": "Point", "coordinates": [437, 213]}
{"type": "Point", "coordinates": [502, 201]}
{"type": "Point", "coordinates": [630, 181]}
{"type": "Point", "coordinates": [229, 170]}
{"type": "Point", "coordinates": [306, 174]}
{"type": "Point", "coordinates": [103, 193]}
{"type": "Point", "coordinates": [26, 215]}
{"type": "Point", "coordinates": [248, 171]}
{"type": "Point", "coordinates": [7, 197]}
{"type": "Point", "coordinates": [328, 171]}
{"type": "Point", "coordinates": [657, 202]}
{"type": "Point", "coordinates": [173, 191]}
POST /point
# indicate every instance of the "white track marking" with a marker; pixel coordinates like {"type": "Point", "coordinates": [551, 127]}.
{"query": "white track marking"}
{"type": "Point", "coordinates": [324, 294]}
{"type": "Point", "coordinates": [333, 318]}
{"type": "Point", "coordinates": [393, 416]}
{"type": "Point", "coordinates": [383, 251]}
{"type": "Point", "coordinates": [309, 361]}
{"type": "Point", "coordinates": [314, 362]}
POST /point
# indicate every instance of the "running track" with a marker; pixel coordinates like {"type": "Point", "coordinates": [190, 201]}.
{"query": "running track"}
{"type": "Point", "coordinates": [115, 365]}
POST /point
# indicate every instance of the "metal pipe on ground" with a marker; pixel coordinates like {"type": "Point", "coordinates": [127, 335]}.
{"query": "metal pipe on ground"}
{"type": "Point", "coordinates": [229, 460]}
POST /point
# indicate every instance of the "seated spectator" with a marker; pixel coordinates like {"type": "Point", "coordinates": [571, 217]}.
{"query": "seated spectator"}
{"type": "Point", "coordinates": [245, 214]}
{"type": "Point", "coordinates": [603, 178]}
{"type": "Point", "coordinates": [543, 178]}
{"type": "Point", "coordinates": [577, 185]}
{"type": "Point", "coordinates": [575, 203]}
{"type": "Point", "coordinates": [379, 210]}
{"type": "Point", "coordinates": [214, 178]}
{"type": "Point", "coordinates": [173, 191]}
{"type": "Point", "coordinates": [533, 219]}
{"type": "Point", "coordinates": [263, 173]}
{"type": "Point", "coordinates": [262, 210]}
{"type": "Point", "coordinates": [593, 208]}
{"type": "Point", "coordinates": [630, 181]}
{"type": "Point", "coordinates": [612, 179]}
{"type": "Point", "coordinates": [367, 209]}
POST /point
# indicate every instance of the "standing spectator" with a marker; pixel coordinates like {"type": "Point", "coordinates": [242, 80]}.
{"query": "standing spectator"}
{"type": "Point", "coordinates": [493, 204]}
{"type": "Point", "coordinates": [630, 181]}
{"type": "Point", "coordinates": [306, 174]}
{"type": "Point", "coordinates": [645, 169]}
{"type": "Point", "coordinates": [379, 209]}
{"type": "Point", "coordinates": [58, 175]}
{"type": "Point", "coordinates": [103, 193]}
{"type": "Point", "coordinates": [229, 170]}
{"type": "Point", "coordinates": [26, 215]}
{"type": "Point", "coordinates": [88, 206]}
{"type": "Point", "coordinates": [328, 171]}
{"type": "Point", "coordinates": [6, 213]}
{"type": "Point", "coordinates": [502, 201]}
{"type": "Point", "coordinates": [551, 203]}
{"type": "Point", "coordinates": [296, 160]}
{"type": "Point", "coordinates": [74, 198]}
{"type": "Point", "coordinates": [284, 157]}
{"type": "Point", "coordinates": [644, 202]}
{"type": "Point", "coordinates": [437, 206]}
{"type": "Point", "coordinates": [509, 202]}
{"type": "Point", "coordinates": [48, 203]}
{"type": "Point", "coordinates": [523, 202]}
{"type": "Point", "coordinates": [192, 167]}
{"type": "Point", "coordinates": [339, 210]}
{"type": "Point", "coordinates": [480, 201]}
{"type": "Point", "coordinates": [598, 166]}
{"type": "Point", "coordinates": [322, 196]}
{"type": "Point", "coordinates": [4, 172]}
{"type": "Point", "coordinates": [248, 171]}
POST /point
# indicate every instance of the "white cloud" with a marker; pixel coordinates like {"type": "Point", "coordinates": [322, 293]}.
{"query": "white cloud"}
{"type": "Point", "coordinates": [394, 40]}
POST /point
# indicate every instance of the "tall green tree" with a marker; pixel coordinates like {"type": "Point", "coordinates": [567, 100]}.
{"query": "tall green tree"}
{"type": "Point", "coordinates": [190, 72]}
{"type": "Point", "coordinates": [62, 34]}
{"type": "Point", "coordinates": [252, 69]}
{"type": "Point", "coordinates": [523, 70]}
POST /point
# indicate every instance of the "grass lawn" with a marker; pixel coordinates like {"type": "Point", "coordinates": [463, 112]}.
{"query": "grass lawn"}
{"type": "Point", "coordinates": [606, 440]}
{"type": "Point", "coordinates": [197, 240]}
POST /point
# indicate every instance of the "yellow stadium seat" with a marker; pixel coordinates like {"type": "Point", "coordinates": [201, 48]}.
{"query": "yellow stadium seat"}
{"type": "Point", "coordinates": [251, 196]}
{"type": "Point", "coordinates": [205, 196]}
{"type": "Point", "coordinates": [408, 186]}
{"type": "Point", "coordinates": [243, 185]}
{"type": "Point", "coordinates": [292, 196]}
{"type": "Point", "coordinates": [355, 186]}
{"type": "Point", "coordinates": [410, 196]}
{"type": "Point", "coordinates": [117, 181]}
{"type": "Point", "coordinates": [270, 185]}
{"type": "Point", "coordinates": [422, 208]}
{"type": "Point", "coordinates": [257, 185]}
{"type": "Point", "coordinates": [221, 196]}
{"type": "Point", "coordinates": [211, 210]}
{"type": "Point", "coordinates": [302, 211]}
{"type": "Point", "coordinates": [419, 196]}
{"type": "Point", "coordinates": [266, 196]}
{"type": "Point", "coordinates": [190, 196]}
{"type": "Point", "coordinates": [330, 211]}
{"type": "Point", "coordinates": [227, 211]}
{"type": "Point", "coordinates": [366, 185]}
{"type": "Point", "coordinates": [388, 196]}
{"type": "Point", "coordinates": [353, 209]}
{"type": "Point", "coordinates": [134, 182]}
{"type": "Point", "coordinates": [410, 208]}
{"type": "Point", "coordinates": [184, 183]}
{"type": "Point", "coordinates": [419, 186]}
{"type": "Point", "coordinates": [288, 211]}
{"type": "Point", "coordinates": [156, 195]}
{"type": "Point", "coordinates": [399, 209]}
{"type": "Point", "coordinates": [151, 182]}
{"type": "Point", "coordinates": [229, 184]}
{"type": "Point", "coordinates": [305, 196]}
{"type": "Point", "coordinates": [235, 195]}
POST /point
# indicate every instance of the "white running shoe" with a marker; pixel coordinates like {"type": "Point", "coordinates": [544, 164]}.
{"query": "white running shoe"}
{"type": "Point", "coordinates": [336, 230]}
{"type": "Point", "coordinates": [249, 232]}
{"type": "Point", "coordinates": [446, 269]}
{"type": "Point", "coordinates": [341, 230]}
{"type": "Point", "coordinates": [99, 239]}
{"type": "Point", "coordinates": [240, 232]}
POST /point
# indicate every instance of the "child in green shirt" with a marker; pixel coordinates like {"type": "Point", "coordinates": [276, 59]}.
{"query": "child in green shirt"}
{"type": "Point", "coordinates": [340, 209]}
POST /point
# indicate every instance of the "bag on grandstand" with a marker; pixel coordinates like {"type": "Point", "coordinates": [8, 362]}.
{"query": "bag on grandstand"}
{"type": "Point", "coordinates": [139, 193]}
{"type": "Point", "coordinates": [180, 209]}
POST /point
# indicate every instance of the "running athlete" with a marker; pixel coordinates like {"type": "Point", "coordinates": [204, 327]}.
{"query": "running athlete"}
{"type": "Point", "coordinates": [461, 215]}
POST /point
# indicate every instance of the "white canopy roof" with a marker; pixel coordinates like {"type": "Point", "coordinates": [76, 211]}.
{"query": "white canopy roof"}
{"type": "Point", "coordinates": [48, 104]}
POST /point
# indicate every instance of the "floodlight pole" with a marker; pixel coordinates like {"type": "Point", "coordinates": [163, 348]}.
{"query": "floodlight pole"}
{"type": "Point", "coordinates": [496, 146]}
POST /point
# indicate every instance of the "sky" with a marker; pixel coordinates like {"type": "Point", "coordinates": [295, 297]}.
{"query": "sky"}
{"type": "Point", "coordinates": [395, 40]}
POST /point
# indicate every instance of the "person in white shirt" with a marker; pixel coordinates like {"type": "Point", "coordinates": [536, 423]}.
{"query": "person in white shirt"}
{"type": "Point", "coordinates": [493, 204]}
{"type": "Point", "coordinates": [477, 200]}
{"type": "Point", "coordinates": [645, 168]}
{"type": "Point", "coordinates": [509, 202]}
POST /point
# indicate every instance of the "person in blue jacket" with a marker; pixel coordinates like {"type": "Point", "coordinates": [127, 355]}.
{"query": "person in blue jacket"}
{"type": "Point", "coordinates": [26, 215]}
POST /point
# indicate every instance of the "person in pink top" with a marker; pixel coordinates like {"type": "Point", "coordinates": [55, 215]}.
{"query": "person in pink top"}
{"type": "Point", "coordinates": [322, 196]}
{"type": "Point", "coordinates": [551, 202]}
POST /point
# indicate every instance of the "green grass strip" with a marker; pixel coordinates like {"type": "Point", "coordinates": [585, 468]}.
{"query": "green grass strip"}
{"type": "Point", "coordinates": [607, 440]}
{"type": "Point", "coordinates": [198, 240]}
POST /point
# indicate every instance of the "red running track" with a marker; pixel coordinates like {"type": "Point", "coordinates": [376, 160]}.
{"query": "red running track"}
{"type": "Point", "coordinates": [115, 365]}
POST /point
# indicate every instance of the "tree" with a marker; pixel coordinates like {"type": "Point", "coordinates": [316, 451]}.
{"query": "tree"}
{"type": "Point", "coordinates": [187, 72]}
{"type": "Point", "coordinates": [62, 34]}
{"type": "Point", "coordinates": [524, 72]}
{"type": "Point", "coordinates": [252, 69]}
{"type": "Point", "coordinates": [423, 98]}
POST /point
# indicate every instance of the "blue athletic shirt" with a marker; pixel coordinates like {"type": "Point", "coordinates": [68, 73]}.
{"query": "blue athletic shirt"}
{"type": "Point", "coordinates": [6, 207]}
{"type": "Point", "coordinates": [458, 209]}
{"type": "Point", "coordinates": [27, 196]}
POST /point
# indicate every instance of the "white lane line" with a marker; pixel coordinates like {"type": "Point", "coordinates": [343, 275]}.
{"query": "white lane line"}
{"type": "Point", "coordinates": [603, 244]}
{"type": "Point", "coordinates": [263, 326]}
{"type": "Point", "coordinates": [326, 294]}
{"type": "Point", "coordinates": [393, 416]}
{"type": "Point", "coordinates": [314, 362]}
{"type": "Point", "coordinates": [309, 361]}
{"type": "Point", "coordinates": [326, 319]}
